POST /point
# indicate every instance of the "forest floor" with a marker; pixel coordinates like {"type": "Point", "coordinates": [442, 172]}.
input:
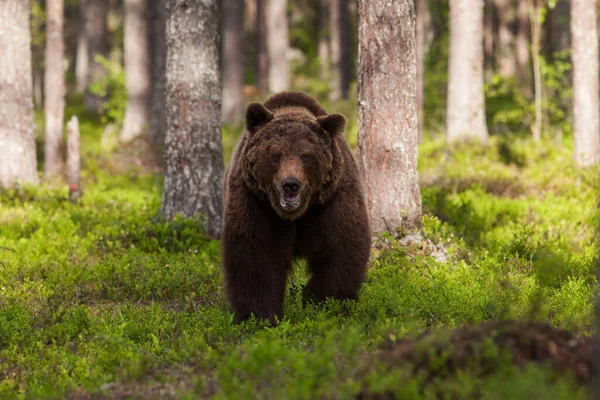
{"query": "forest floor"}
{"type": "Point", "coordinates": [102, 299]}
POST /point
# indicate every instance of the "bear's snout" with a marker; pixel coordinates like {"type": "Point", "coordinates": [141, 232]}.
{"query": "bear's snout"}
{"type": "Point", "coordinates": [291, 185]}
{"type": "Point", "coordinates": [289, 199]}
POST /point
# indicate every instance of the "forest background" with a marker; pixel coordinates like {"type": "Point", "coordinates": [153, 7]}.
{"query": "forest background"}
{"type": "Point", "coordinates": [108, 289]}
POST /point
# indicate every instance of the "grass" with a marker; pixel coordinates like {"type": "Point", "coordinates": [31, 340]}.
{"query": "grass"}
{"type": "Point", "coordinates": [103, 298]}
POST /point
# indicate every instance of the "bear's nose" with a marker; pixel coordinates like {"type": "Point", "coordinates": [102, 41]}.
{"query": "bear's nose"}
{"type": "Point", "coordinates": [291, 185]}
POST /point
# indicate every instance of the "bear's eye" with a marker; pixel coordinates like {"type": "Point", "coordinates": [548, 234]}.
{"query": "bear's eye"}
{"type": "Point", "coordinates": [276, 158]}
{"type": "Point", "coordinates": [305, 157]}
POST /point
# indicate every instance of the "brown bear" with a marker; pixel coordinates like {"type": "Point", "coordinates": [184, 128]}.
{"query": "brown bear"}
{"type": "Point", "coordinates": [292, 190]}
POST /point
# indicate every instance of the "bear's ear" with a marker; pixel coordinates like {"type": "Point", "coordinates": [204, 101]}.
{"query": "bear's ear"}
{"type": "Point", "coordinates": [332, 123]}
{"type": "Point", "coordinates": [256, 115]}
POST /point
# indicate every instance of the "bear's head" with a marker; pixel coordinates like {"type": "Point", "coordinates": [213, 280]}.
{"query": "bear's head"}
{"type": "Point", "coordinates": [291, 158]}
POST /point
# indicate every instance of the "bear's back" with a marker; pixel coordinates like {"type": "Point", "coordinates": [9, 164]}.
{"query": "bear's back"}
{"type": "Point", "coordinates": [286, 102]}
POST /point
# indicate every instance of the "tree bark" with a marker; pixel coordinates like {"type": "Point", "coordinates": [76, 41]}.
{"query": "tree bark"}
{"type": "Point", "coordinates": [584, 53]}
{"type": "Point", "coordinates": [82, 65]}
{"type": "Point", "coordinates": [522, 44]}
{"type": "Point", "coordinates": [465, 117]}
{"type": "Point", "coordinates": [250, 18]}
{"type": "Point", "coordinates": [232, 17]}
{"type": "Point", "coordinates": [194, 154]}
{"type": "Point", "coordinates": [73, 160]}
{"type": "Point", "coordinates": [38, 85]}
{"type": "Point", "coordinates": [137, 69]}
{"type": "Point", "coordinates": [18, 164]}
{"type": "Point", "coordinates": [488, 41]}
{"type": "Point", "coordinates": [54, 107]}
{"type": "Point", "coordinates": [324, 48]}
{"type": "Point", "coordinates": [387, 113]}
{"type": "Point", "coordinates": [506, 11]}
{"type": "Point", "coordinates": [95, 20]}
{"type": "Point", "coordinates": [277, 45]}
{"type": "Point", "coordinates": [340, 49]}
{"type": "Point", "coordinates": [158, 117]}
{"type": "Point", "coordinates": [261, 53]}
{"type": "Point", "coordinates": [37, 24]}
{"type": "Point", "coordinates": [420, 44]}
{"type": "Point", "coordinates": [534, 20]}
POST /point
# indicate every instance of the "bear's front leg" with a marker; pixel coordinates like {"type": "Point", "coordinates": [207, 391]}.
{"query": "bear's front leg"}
{"type": "Point", "coordinates": [340, 243]}
{"type": "Point", "coordinates": [255, 282]}
{"type": "Point", "coordinates": [256, 260]}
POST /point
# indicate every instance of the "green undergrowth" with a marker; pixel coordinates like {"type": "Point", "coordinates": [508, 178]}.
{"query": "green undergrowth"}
{"type": "Point", "coordinates": [104, 298]}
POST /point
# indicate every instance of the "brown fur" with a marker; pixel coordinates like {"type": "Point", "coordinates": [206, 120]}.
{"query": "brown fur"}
{"type": "Point", "coordinates": [290, 135]}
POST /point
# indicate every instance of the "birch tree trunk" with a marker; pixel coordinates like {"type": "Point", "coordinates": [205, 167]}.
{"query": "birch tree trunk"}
{"type": "Point", "coordinates": [95, 19]}
{"type": "Point", "coordinates": [340, 49]}
{"type": "Point", "coordinates": [584, 54]}
{"type": "Point", "coordinates": [277, 45]}
{"type": "Point", "coordinates": [54, 82]}
{"type": "Point", "coordinates": [158, 117]}
{"type": "Point", "coordinates": [465, 117]}
{"type": "Point", "coordinates": [232, 17]}
{"type": "Point", "coordinates": [387, 113]}
{"type": "Point", "coordinates": [193, 150]}
{"type": "Point", "coordinates": [18, 164]}
{"type": "Point", "coordinates": [137, 69]}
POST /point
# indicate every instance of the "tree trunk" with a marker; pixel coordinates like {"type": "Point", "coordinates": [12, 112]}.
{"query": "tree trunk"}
{"type": "Point", "coordinates": [54, 107]}
{"type": "Point", "coordinates": [340, 49]}
{"type": "Point", "coordinates": [18, 164]}
{"type": "Point", "coordinates": [324, 47]}
{"type": "Point", "coordinates": [250, 18]}
{"type": "Point", "coordinates": [387, 113]}
{"type": "Point", "coordinates": [37, 24]}
{"type": "Point", "coordinates": [158, 117]}
{"type": "Point", "coordinates": [466, 105]}
{"type": "Point", "coordinates": [137, 69]}
{"type": "Point", "coordinates": [73, 160]}
{"type": "Point", "coordinates": [506, 39]}
{"type": "Point", "coordinates": [38, 85]}
{"type": "Point", "coordinates": [82, 65]}
{"type": "Point", "coordinates": [584, 53]}
{"type": "Point", "coordinates": [277, 45]}
{"type": "Point", "coordinates": [232, 14]}
{"type": "Point", "coordinates": [261, 53]}
{"type": "Point", "coordinates": [522, 43]}
{"type": "Point", "coordinates": [420, 44]}
{"type": "Point", "coordinates": [95, 20]}
{"type": "Point", "coordinates": [534, 19]}
{"type": "Point", "coordinates": [193, 150]}
{"type": "Point", "coordinates": [488, 41]}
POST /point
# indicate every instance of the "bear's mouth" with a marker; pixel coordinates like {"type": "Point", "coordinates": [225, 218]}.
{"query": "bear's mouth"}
{"type": "Point", "coordinates": [289, 203]}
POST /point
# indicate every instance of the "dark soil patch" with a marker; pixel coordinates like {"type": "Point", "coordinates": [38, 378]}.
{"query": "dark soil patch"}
{"type": "Point", "coordinates": [482, 348]}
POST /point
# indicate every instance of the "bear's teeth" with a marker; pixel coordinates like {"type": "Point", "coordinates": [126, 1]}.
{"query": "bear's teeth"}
{"type": "Point", "coordinates": [289, 203]}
